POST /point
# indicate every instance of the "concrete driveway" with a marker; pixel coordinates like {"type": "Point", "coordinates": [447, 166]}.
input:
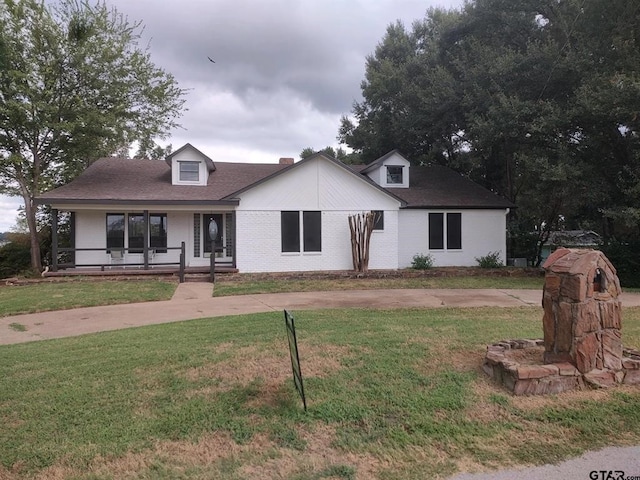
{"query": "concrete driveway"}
{"type": "Point", "coordinates": [194, 300]}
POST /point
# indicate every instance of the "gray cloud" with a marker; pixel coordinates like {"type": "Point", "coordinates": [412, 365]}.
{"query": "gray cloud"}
{"type": "Point", "coordinates": [285, 70]}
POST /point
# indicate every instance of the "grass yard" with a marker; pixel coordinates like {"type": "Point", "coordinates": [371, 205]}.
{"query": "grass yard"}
{"type": "Point", "coordinates": [248, 285]}
{"type": "Point", "coordinates": [392, 394]}
{"type": "Point", "coordinates": [42, 297]}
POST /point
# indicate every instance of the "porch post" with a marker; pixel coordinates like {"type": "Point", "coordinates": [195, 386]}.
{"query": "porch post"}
{"type": "Point", "coordinates": [54, 239]}
{"type": "Point", "coordinates": [233, 238]}
{"type": "Point", "coordinates": [145, 236]}
{"type": "Point", "coordinates": [182, 261]}
{"type": "Point", "coordinates": [72, 237]}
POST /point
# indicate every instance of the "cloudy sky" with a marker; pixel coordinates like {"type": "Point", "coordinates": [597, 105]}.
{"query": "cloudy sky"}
{"type": "Point", "coordinates": [284, 73]}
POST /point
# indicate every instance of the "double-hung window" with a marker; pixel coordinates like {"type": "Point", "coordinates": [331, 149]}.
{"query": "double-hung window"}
{"type": "Point", "coordinates": [443, 233]}
{"type": "Point", "coordinates": [189, 171]}
{"type": "Point", "coordinates": [292, 235]}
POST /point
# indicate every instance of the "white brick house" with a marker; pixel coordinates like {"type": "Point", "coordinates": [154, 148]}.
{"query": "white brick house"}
{"type": "Point", "coordinates": [274, 217]}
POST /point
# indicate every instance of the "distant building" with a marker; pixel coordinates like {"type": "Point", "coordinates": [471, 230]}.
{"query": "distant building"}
{"type": "Point", "coordinates": [569, 239]}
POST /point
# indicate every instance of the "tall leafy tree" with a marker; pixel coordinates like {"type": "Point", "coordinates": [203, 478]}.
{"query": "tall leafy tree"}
{"type": "Point", "coordinates": [339, 154]}
{"type": "Point", "coordinates": [536, 99]}
{"type": "Point", "coordinates": [74, 86]}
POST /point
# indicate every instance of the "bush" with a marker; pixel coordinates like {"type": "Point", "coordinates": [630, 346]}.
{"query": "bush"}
{"type": "Point", "coordinates": [625, 256]}
{"type": "Point", "coordinates": [15, 258]}
{"type": "Point", "coordinates": [490, 260]}
{"type": "Point", "coordinates": [422, 262]}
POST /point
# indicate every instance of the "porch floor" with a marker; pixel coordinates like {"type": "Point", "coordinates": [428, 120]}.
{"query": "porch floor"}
{"type": "Point", "coordinates": [134, 271]}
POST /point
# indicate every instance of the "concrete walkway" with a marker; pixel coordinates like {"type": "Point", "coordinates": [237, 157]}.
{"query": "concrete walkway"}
{"type": "Point", "coordinates": [194, 300]}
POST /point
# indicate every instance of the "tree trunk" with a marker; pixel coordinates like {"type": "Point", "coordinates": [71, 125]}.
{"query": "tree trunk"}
{"type": "Point", "coordinates": [361, 226]}
{"type": "Point", "coordinates": [30, 213]}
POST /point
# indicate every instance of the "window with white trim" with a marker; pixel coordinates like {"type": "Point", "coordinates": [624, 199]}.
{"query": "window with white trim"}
{"type": "Point", "coordinates": [394, 175]}
{"type": "Point", "coordinates": [189, 171]}
{"type": "Point", "coordinates": [134, 232]}
{"type": "Point", "coordinates": [310, 235]}
{"type": "Point", "coordinates": [115, 231]}
{"type": "Point", "coordinates": [443, 233]}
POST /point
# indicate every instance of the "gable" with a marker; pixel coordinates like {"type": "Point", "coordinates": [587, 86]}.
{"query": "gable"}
{"type": "Point", "coordinates": [389, 171]}
{"type": "Point", "coordinates": [189, 166]}
{"type": "Point", "coordinates": [316, 184]}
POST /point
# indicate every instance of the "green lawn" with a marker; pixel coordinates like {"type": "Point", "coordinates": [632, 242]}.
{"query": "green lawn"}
{"type": "Point", "coordinates": [248, 285]}
{"type": "Point", "coordinates": [45, 296]}
{"type": "Point", "coordinates": [393, 394]}
{"type": "Point", "coordinates": [41, 297]}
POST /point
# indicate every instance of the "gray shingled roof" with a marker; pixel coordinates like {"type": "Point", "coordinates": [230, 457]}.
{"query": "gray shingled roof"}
{"type": "Point", "coordinates": [440, 187]}
{"type": "Point", "coordinates": [120, 180]}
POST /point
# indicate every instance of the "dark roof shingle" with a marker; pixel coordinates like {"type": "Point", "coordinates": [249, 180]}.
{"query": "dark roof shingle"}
{"type": "Point", "coordinates": [140, 180]}
{"type": "Point", "coordinates": [440, 187]}
{"type": "Point", "coordinates": [121, 180]}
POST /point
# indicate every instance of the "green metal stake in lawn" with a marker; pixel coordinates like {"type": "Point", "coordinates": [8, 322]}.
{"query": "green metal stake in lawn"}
{"type": "Point", "coordinates": [295, 359]}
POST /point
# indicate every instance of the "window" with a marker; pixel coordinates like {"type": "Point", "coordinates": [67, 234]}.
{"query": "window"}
{"type": "Point", "coordinates": [115, 231]}
{"type": "Point", "coordinates": [454, 231]}
{"type": "Point", "coordinates": [136, 232]}
{"type": "Point", "coordinates": [189, 171]}
{"type": "Point", "coordinates": [437, 231]}
{"type": "Point", "coordinates": [290, 231]}
{"type": "Point", "coordinates": [394, 175]}
{"type": "Point", "coordinates": [311, 231]}
{"type": "Point", "coordinates": [379, 220]}
{"type": "Point", "coordinates": [158, 232]}
{"type": "Point", "coordinates": [312, 225]}
{"type": "Point", "coordinates": [196, 234]}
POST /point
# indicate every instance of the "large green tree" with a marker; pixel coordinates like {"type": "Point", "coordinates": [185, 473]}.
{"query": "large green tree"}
{"type": "Point", "coordinates": [539, 100]}
{"type": "Point", "coordinates": [74, 86]}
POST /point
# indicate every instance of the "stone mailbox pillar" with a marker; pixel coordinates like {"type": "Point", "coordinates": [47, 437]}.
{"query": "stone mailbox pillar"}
{"type": "Point", "coordinates": [582, 313]}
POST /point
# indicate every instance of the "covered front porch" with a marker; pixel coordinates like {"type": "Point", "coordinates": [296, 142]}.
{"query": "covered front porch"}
{"type": "Point", "coordinates": [128, 241]}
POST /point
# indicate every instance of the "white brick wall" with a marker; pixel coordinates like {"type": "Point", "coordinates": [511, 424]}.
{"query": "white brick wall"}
{"type": "Point", "coordinates": [483, 231]}
{"type": "Point", "coordinates": [259, 244]}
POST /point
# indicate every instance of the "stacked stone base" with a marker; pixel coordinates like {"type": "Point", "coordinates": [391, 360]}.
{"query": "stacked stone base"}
{"type": "Point", "coordinates": [544, 379]}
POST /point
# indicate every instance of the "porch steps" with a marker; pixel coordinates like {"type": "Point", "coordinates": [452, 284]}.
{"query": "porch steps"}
{"type": "Point", "coordinates": [197, 277]}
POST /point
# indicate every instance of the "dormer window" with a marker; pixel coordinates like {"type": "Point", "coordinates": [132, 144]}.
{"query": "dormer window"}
{"type": "Point", "coordinates": [394, 175]}
{"type": "Point", "coordinates": [189, 171]}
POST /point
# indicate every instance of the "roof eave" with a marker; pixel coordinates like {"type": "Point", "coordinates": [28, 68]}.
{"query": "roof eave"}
{"type": "Point", "coordinates": [112, 201]}
{"type": "Point", "coordinates": [459, 207]}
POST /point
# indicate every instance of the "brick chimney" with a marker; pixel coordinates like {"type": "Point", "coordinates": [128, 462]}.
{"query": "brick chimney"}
{"type": "Point", "coordinates": [286, 161]}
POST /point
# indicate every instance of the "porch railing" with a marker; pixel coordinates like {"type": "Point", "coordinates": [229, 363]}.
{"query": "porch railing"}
{"type": "Point", "coordinates": [57, 265]}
